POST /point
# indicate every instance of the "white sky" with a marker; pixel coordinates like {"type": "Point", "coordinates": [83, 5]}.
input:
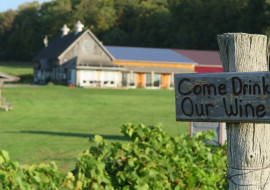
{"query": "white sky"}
{"type": "Point", "coordinates": [13, 4]}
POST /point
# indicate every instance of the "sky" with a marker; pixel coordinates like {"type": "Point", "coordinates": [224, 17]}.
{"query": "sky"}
{"type": "Point", "coordinates": [13, 4]}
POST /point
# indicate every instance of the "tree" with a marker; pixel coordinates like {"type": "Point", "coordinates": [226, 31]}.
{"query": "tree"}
{"type": "Point", "coordinates": [6, 22]}
{"type": "Point", "coordinates": [124, 26]}
{"type": "Point", "coordinates": [253, 19]}
{"type": "Point", "coordinates": [197, 22]}
{"type": "Point", "coordinates": [185, 24]}
{"type": "Point", "coordinates": [153, 24]}
{"type": "Point", "coordinates": [22, 43]}
{"type": "Point", "coordinates": [97, 15]}
{"type": "Point", "coordinates": [141, 23]}
{"type": "Point", "coordinates": [53, 15]}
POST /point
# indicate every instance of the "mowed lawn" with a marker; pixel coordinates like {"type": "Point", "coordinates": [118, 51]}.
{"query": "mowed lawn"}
{"type": "Point", "coordinates": [55, 123]}
{"type": "Point", "coordinates": [16, 68]}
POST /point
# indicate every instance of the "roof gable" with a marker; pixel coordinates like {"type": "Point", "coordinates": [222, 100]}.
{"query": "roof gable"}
{"type": "Point", "coordinates": [59, 45]}
{"type": "Point", "coordinates": [147, 54]}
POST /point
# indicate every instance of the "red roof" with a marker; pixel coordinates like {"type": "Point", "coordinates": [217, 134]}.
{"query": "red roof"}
{"type": "Point", "coordinates": [203, 58]}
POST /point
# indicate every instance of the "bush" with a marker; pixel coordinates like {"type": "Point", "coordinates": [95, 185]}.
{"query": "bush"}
{"type": "Point", "coordinates": [26, 78]}
{"type": "Point", "coordinates": [151, 160]}
{"type": "Point", "coordinates": [43, 176]}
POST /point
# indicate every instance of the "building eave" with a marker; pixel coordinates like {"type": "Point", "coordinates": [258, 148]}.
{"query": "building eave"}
{"type": "Point", "coordinates": [94, 38]}
{"type": "Point", "coordinates": [158, 62]}
{"type": "Point", "coordinates": [100, 68]}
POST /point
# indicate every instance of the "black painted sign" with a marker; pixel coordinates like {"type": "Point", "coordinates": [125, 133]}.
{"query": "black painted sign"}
{"type": "Point", "coordinates": [229, 97]}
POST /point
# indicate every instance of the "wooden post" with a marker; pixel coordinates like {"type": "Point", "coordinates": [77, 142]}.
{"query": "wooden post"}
{"type": "Point", "coordinates": [248, 147]}
{"type": "Point", "coordinates": [1, 86]}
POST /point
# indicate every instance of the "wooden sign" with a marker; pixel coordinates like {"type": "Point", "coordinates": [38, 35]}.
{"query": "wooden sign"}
{"type": "Point", "coordinates": [228, 97]}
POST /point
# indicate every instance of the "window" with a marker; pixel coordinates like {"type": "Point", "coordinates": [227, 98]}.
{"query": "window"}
{"type": "Point", "coordinates": [171, 81]}
{"type": "Point", "coordinates": [128, 80]}
{"type": "Point", "coordinates": [148, 79]}
{"type": "Point", "coordinates": [124, 79]}
{"type": "Point", "coordinates": [108, 78]}
{"type": "Point", "coordinates": [132, 79]}
{"type": "Point", "coordinates": [88, 77]}
{"type": "Point", "coordinates": [157, 79]}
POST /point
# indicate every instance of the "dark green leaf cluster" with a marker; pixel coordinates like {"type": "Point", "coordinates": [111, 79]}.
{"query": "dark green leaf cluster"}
{"type": "Point", "coordinates": [34, 177]}
{"type": "Point", "coordinates": [182, 24]}
{"type": "Point", "coordinates": [153, 160]}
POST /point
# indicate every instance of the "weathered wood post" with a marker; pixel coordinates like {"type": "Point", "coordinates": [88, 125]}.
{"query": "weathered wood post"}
{"type": "Point", "coordinates": [248, 143]}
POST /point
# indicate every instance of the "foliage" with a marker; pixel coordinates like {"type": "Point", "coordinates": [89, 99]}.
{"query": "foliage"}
{"type": "Point", "coordinates": [185, 24]}
{"type": "Point", "coordinates": [43, 176]}
{"type": "Point", "coordinates": [26, 78]}
{"type": "Point", "coordinates": [153, 160]}
{"type": "Point", "coordinates": [23, 39]}
{"type": "Point", "coordinates": [98, 15]}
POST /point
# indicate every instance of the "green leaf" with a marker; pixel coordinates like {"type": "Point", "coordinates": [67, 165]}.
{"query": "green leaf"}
{"type": "Point", "coordinates": [99, 140]}
{"type": "Point", "coordinates": [210, 135]}
{"type": "Point", "coordinates": [37, 179]}
{"type": "Point", "coordinates": [4, 157]}
{"type": "Point", "coordinates": [130, 133]}
{"type": "Point", "coordinates": [126, 188]}
{"type": "Point", "coordinates": [153, 173]}
{"type": "Point", "coordinates": [1, 160]}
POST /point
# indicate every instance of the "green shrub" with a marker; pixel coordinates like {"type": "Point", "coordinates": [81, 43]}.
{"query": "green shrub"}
{"type": "Point", "coordinates": [153, 160]}
{"type": "Point", "coordinates": [50, 83]}
{"type": "Point", "coordinates": [43, 176]}
{"type": "Point", "coordinates": [26, 78]}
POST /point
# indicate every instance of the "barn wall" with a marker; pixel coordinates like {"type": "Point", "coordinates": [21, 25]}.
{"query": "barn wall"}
{"type": "Point", "coordinates": [140, 80]}
{"type": "Point", "coordinates": [155, 64]}
{"type": "Point", "coordinates": [165, 81]}
{"type": "Point", "coordinates": [203, 69]}
{"type": "Point", "coordinates": [98, 78]}
{"type": "Point", "coordinates": [165, 76]}
{"type": "Point", "coordinates": [85, 46]}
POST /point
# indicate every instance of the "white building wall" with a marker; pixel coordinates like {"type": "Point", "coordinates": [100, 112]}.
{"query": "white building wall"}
{"type": "Point", "coordinates": [88, 78]}
{"type": "Point", "coordinates": [93, 78]}
{"type": "Point", "coordinates": [109, 79]}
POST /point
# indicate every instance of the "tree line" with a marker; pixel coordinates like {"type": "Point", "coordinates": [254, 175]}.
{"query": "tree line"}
{"type": "Point", "coordinates": [181, 24]}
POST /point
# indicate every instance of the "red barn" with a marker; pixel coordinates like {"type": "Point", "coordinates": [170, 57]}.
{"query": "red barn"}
{"type": "Point", "coordinates": [208, 61]}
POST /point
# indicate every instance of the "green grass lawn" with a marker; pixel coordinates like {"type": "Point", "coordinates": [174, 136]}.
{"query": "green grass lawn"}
{"type": "Point", "coordinates": [16, 68]}
{"type": "Point", "coordinates": [24, 70]}
{"type": "Point", "coordinates": [55, 123]}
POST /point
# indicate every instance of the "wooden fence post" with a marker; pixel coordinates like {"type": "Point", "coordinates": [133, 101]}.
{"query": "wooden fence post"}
{"type": "Point", "coordinates": [248, 147]}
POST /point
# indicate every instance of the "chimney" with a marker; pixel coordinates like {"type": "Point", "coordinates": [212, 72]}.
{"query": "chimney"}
{"type": "Point", "coordinates": [79, 26]}
{"type": "Point", "coordinates": [45, 41]}
{"type": "Point", "coordinates": [65, 30]}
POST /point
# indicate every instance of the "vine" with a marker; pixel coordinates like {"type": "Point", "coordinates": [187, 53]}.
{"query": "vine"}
{"type": "Point", "coordinates": [150, 160]}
